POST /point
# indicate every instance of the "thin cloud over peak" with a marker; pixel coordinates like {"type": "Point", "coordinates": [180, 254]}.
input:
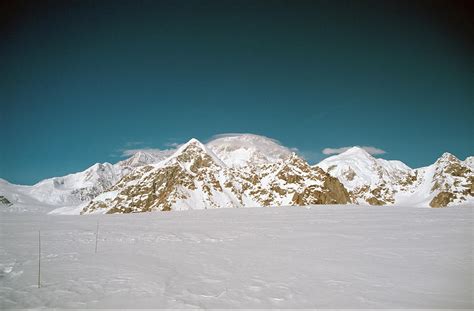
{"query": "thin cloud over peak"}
{"type": "Point", "coordinates": [370, 149]}
{"type": "Point", "coordinates": [224, 135]}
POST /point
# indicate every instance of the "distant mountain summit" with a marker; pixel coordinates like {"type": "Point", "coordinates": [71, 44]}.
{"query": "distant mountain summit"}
{"type": "Point", "coordinates": [142, 158]}
{"type": "Point", "coordinates": [370, 180]}
{"type": "Point", "coordinates": [239, 150]}
{"type": "Point", "coordinates": [244, 170]}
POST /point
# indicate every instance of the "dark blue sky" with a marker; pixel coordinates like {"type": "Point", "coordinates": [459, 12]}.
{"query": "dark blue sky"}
{"type": "Point", "coordinates": [82, 80]}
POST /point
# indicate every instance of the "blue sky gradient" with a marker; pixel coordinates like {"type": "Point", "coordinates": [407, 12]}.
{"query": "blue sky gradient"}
{"type": "Point", "coordinates": [84, 80]}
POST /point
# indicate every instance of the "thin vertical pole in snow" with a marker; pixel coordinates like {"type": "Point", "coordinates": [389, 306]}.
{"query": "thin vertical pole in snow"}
{"type": "Point", "coordinates": [39, 258]}
{"type": "Point", "coordinates": [96, 236]}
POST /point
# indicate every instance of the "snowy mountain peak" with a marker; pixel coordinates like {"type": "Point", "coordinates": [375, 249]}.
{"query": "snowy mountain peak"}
{"type": "Point", "coordinates": [194, 141]}
{"type": "Point", "coordinates": [240, 150]}
{"type": "Point", "coordinates": [371, 180]}
{"type": "Point", "coordinates": [296, 160]}
{"type": "Point", "coordinates": [447, 157]}
{"type": "Point", "coordinates": [356, 150]}
{"type": "Point", "coordinates": [141, 158]}
{"type": "Point", "coordinates": [193, 150]}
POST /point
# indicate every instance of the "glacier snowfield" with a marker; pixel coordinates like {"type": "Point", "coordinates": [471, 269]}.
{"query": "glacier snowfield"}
{"type": "Point", "coordinates": [290, 257]}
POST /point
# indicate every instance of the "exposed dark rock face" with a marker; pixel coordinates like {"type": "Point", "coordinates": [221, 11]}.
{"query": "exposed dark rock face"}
{"type": "Point", "coordinates": [5, 201]}
{"type": "Point", "coordinates": [442, 199]}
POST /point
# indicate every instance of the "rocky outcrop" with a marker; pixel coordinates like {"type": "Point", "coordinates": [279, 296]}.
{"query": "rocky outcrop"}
{"type": "Point", "coordinates": [4, 201]}
{"type": "Point", "coordinates": [452, 181]}
{"type": "Point", "coordinates": [442, 199]}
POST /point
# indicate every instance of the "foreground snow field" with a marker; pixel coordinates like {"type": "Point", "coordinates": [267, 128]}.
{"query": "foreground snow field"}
{"type": "Point", "coordinates": [323, 257]}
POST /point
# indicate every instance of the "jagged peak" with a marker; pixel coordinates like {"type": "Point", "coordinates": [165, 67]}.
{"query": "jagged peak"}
{"type": "Point", "coordinates": [191, 144]}
{"type": "Point", "coordinates": [295, 158]}
{"type": "Point", "coordinates": [295, 161]}
{"type": "Point", "coordinates": [196, 142]}
{"type": "Point", "coordinates": [447, 157]}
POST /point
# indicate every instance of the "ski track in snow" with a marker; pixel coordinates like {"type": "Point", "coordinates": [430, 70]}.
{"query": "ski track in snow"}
{"type": "Point", "coordinates": [322, 257]}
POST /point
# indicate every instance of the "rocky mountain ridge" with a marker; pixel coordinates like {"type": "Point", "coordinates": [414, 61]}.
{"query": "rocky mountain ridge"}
{"type": "Point", "coordinates": [448, 181]}
{"type": "Point", "coordinates": [246, 170]}
{"type": "Point", "coordinates": [195, 178]}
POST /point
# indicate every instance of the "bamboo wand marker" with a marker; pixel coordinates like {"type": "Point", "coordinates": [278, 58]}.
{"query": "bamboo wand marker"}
{"type": "Point", "coordinates": [96, 236]}
{"type": "Point", "coordinates": [39, 258]}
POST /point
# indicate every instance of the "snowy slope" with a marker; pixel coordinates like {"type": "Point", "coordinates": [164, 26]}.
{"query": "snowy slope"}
{"type": "Point", "coordinates": [15, 198]}
{"type": "Point", "coordinates": [66, 190]}
{"type": "Point", "coordinates": [281, 258]}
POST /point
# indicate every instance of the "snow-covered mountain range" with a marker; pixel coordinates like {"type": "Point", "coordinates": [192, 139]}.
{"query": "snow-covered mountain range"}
{"type": "Point", "coordinates": [448, 181]}
{"type": "Point", "coordinates": [245, 170]}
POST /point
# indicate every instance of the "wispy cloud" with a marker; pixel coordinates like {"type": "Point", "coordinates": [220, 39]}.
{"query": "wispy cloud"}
{"type": "Point", "coordinates": [371, 150]}
{"type": "Point", "coordinates": [240, 134]}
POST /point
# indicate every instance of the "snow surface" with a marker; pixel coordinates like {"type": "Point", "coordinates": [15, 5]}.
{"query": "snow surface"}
{"type": "Point", "coordinates": [290, 257]}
